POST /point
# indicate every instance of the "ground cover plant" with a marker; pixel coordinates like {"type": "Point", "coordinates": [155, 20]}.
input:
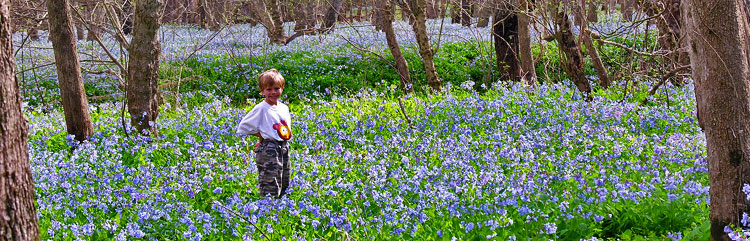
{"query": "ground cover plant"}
{"type": "Point", "coordinates": [481, 160]}
{"type": "Point", "coordinates": [505, 164]}
{"type": "Point", "coordinates": [337, 64]}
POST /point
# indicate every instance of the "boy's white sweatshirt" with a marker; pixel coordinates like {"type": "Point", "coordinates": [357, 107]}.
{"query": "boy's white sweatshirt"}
{"type": "Point", "coordinates": [266, 119]}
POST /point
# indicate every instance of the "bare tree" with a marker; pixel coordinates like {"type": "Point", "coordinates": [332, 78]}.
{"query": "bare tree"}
{"type": "Point", "coordinates": [401, 66]}
{"type": "Point", "coordinates": [528, 71]}
{"type": "Point", "coordinates": [466, 12]}
{"type": "Point", "coordinates": [719, 53]}
{"type": "Point", "coordinates": [485, 12]}
{"type": "Point", "coordinates": [505, 34]}
{"type": "Point", "coordinates": [75, 104]}
{"type": "Point", "coordinates": [585, 36]}
{"type": "Point", "coordinates": [95, 14]}
{"type": "Point", "coordinates": [417, 10]}
{"type": "Point", "coordinates": [573, 65]}
{"type": "Point", "coordinates": [143, 66]}
{"type": "Point", "coordinates": [269, 15]}
{"type": "Point", "coordinates": [18, 220]}
{"type": "Point", "coordinates": [332, 15]}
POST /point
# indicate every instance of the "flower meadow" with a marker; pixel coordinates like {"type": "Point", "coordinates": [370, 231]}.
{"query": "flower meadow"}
{"type": "Point", "coordinates": [505, 165]}
{"type": "Point", "coordinates": [508, 162]}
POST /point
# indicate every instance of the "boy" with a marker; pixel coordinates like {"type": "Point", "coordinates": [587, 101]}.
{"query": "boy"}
{"type": "Point", "coordinates": [270, 121]}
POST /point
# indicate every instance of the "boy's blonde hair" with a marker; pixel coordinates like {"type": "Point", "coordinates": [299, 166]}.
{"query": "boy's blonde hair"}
{"type": "Point", "coordinates": [270, 78]}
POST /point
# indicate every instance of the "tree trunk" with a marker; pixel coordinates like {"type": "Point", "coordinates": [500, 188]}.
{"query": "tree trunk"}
{"type": "Point", "coordinates": [377, 15]}
{"type": "Point", "coordinates": [455, 11]}
{"type": "Point", "coordinates": [626, 8]}
{"type": "Point", "coordinates": [465, 12]}
{"type": "Point", "coordinates": [93, 32]}
{"type": "Point", "coordinates": [401, 66]}
{"type": "Point", "coordinates": [192, 16]}
{"type": "Point", "coordinates": [425, 49]}
{"type": "Point", "coordinates": [592, 16]}
{"type": "Point", "coordinates": [674, 19]}
{"type": "Point", "coordinates": [485, 11]}
{"type": "Point", "coordinates": [127, 18]}
{"type": "Point", "coordinates": [203, 13]}
{"type": "Point", "coordinates": [80, 34]}
{"type": "Point", "coordinates": [505, 33]}
{"type": "Point", "coordinates": [585, 35]}
{"type": "Point", "coordinates": [574, 63]}
{"type": "Point", "coordinates": [332, 15]}
{"type": "Point", "coordinates": [18, 220]}
{"type": "Point", "coordinates": [94, 21]}
{"type": "Point", "coordinates": [145, 48]}
{"type": "Point", "coordinates": [720, 60]}
{"type": "Point", "coordinates": [33, 33]}
{"type": "Point", "coordinates": [360, 13]}
{"type": "Point", "coordinates": [528, 71]}
{"type": "Point", "coordinates": [268, 13]}
{"type": "Point", "coordinates": [432, 9]}
{"type": "Point", "coordinates": [72, 93]}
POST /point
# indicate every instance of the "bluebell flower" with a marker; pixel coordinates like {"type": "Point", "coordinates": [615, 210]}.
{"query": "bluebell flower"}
{"type": "Point", "coordinates": [550, 228]}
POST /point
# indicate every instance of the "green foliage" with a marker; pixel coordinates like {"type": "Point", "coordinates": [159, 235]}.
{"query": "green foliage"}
{"type": "Point", "coordinates": [328, 74]}
{"type": "Point", "coordinates": [650, 219]}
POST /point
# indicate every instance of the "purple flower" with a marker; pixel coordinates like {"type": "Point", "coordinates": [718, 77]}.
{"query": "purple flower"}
{"type": "Point", "coordinates": [550, 228]}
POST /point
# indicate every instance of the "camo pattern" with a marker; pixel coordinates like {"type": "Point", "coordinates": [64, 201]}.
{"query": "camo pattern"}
{"type": "Point", "coordinates": [272, 160]}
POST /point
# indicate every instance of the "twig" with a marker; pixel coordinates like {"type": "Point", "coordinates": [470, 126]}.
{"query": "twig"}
{"type": "Point", "coordinates": [204, 44]}
{"type": "Point", "coordinates": [122, 114]}
{"type": "Point", "coordinates": [243, 218]}
{"type": "Point", "coordinates": [35, 67]}
{"type": "Point", "coordinates": [120, 36]}
{"type": "Point", "coordinates": [401, 104]}
{"type": "Point", "coordinates": [654, 54]}
{"type": "Point", "coordinates": [662, 81]}
{"type": "Point", "coordinates": [98, 40]}
{"type": "Point", "coordinates": [23, 42]}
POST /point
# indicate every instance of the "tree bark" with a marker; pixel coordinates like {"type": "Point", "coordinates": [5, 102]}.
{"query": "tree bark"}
{"type": "Point", "coordinates": [505, 33]}
{"type": "Point", "coordinates": [528, 71]}
{"type": "Point", "coordinates": [720, 59]}
{"type": "Point", "coordinates": [18, 220]}
{"type": "Point", "coordinates": [145, 48]}
{"type": "Point", "coordinates": [433, 10]}
{"type": "Point", "coordinates": [574, 63]}
{"type": "Point", "coordinates": [332, 15]}
{"type": "Point", "coordinates": [585, 35]}
{"type": "Point", "coordinates": [127, 18]}
{"type": "Point", "coordinates": [80, 34]}
{"type": "Point", "coordinates": [485, 11]}
{"type": "Point", "coordinates": [401, 66]}
{"type": "Point", "coordinates": [269, 15]}
{"type": "Point", "coordinates": [33, 33]}
{"type": "Point", "coordinates": [94, 21]}
{"type": "Point", "coordinates": [465, 12]}
{"type": "Point", "coordinates": [377, 15]}
{"type": "Point", "coordinates": [72, 93]}
{"type": "Point", "coordinates": [425, 49]}
{"type": "Point", "coordinates": [455, 11]}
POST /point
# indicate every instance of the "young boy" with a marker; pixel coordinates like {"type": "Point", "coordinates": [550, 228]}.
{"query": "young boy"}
{"type": "Point", "coordinates": [270, 120]}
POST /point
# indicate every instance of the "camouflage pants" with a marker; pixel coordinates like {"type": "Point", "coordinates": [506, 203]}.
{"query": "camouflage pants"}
{"type": "Point", "coordinates": [273, 164]}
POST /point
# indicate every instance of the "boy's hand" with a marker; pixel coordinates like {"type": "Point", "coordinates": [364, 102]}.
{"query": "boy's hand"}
{"type": "Point", "coordinates": [255, 147]}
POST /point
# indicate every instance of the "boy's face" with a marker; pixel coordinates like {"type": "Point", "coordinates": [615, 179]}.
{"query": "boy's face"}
{"type": "Point", "coordinates": [272, 92]}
